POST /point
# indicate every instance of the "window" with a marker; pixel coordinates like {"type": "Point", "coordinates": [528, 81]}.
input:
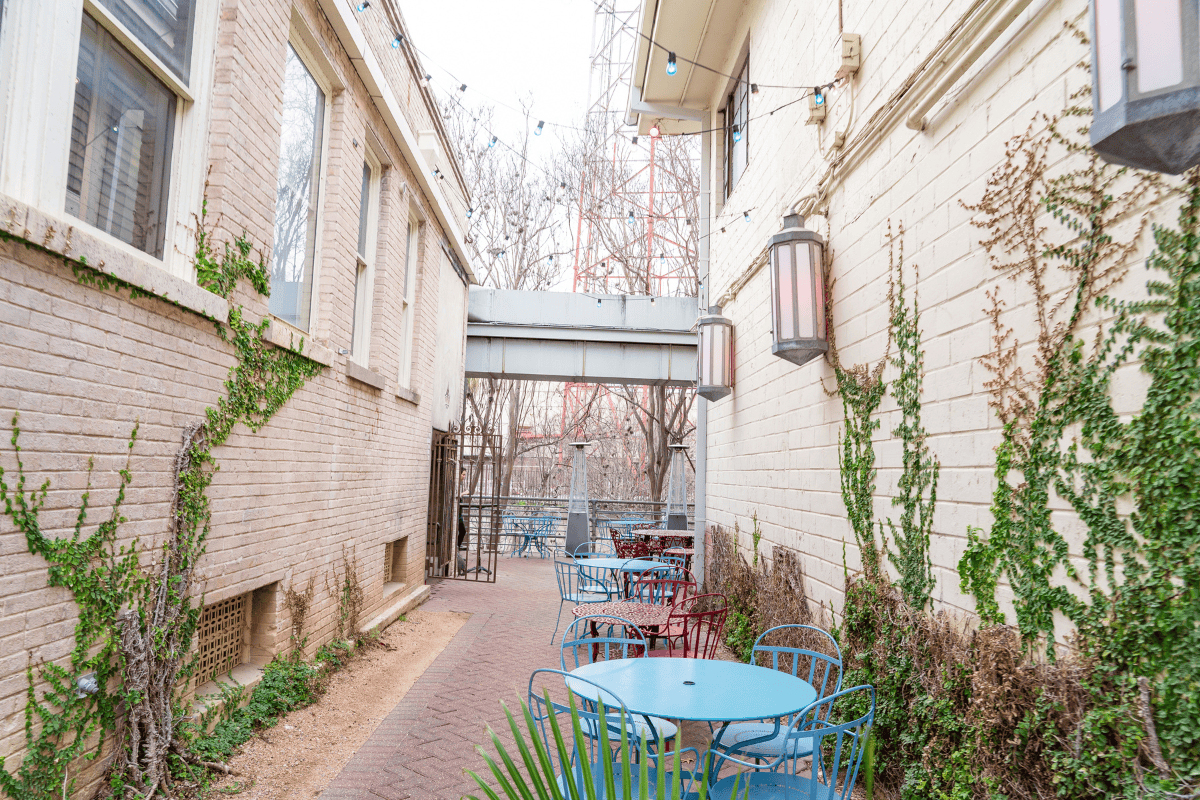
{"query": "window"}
{"type": "Point", "coordinates": [119, 163]}
{"type": "Point", "coordinates": [164, 27]}
{"type": "Point", "coordinates": [221, 638]}
{"type": "Point", "coordinates": [406, 305]}
{"type": "Point", "coordinates": [364, 279]}
{"type": "Point", "coordinates": [395, 561]}
{"type": "Point", "coordinates": [296, 194]}
{"type": "Point", "coordinates": [736, 113]}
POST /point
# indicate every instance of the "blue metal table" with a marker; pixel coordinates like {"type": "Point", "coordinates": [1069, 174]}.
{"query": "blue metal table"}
{"type": "Point", "coordinates": [697, 689]}
{"type": "Point", "coordinates": [535, 531]}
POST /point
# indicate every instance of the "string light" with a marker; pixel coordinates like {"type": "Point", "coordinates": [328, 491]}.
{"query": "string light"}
{"type": "Point", "coordinates": [492, 143]}
{"type": "Point", "coordinates": [635, 140]}
{"type": "Point", "coordinates": [630, 217]}
{"type": "Point", "coordinates": [399, 40]}
{"type": "Point", "coordinates": [737, 133]}
{"type": "Point", "coordinates": [654, 131]}
{"type": "Point", "coordinates": [746, 216]}
{"type": "Point", "coordinates": [672, 67]}
{"type": "Point", "coordinates": [470, 211]}
{"type": "Point", "coordinates": [363, 6]}
{"type": "Point", "coordinates": [818, 96]}
{"type": "Point", "coordinates": [754, 88]}
{"type": "Point", "coordinates": [538, 130]}
{"type": "Point", "coordinates": [462, 88]}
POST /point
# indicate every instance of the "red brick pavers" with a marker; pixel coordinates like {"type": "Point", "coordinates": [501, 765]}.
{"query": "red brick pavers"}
{"type": "Point", "coordinates": [421, 748]}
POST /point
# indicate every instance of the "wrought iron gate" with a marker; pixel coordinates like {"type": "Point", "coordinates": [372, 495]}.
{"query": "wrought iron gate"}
{"type": "Point", "coordinates": [464, 506]}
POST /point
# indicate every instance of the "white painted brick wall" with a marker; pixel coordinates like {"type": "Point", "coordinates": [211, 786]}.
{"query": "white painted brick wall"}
{"type": "Point", "coordinates": [773, 443]}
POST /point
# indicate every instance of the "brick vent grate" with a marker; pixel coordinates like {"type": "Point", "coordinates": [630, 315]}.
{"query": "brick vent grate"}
{"type": "Point", "coordinates": [387, 562]}
{"type": "Point", "coordinates": [220, 638]}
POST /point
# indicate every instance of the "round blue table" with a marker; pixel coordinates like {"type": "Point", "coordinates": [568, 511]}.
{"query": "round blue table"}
{"type": "Point", "coordinates": [697, 689]}
{"type": "Point", "coordinates": [614, 564]}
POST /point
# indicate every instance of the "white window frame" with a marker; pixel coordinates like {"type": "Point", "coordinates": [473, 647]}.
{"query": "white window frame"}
{"type": "Point", "coordinates": [364, 274]}
{"type": "Point", "coordinates": [305, 44]}
{"type": "Point", "coordinates": [39, 54]}
{"type": "Point", "coordinates": [412, 251]}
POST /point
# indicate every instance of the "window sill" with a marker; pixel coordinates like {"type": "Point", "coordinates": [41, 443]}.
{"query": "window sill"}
{"type": "Point", "coordinates": [284, 336]}
{"type": "Point", "coordinates": [357, 372]}
{"type": "Point", "coordinates": [391, 588]}
{"type": "Point", "coordinates": [409, 396]}
{"type": "Point", "coordinates": [72, 240]}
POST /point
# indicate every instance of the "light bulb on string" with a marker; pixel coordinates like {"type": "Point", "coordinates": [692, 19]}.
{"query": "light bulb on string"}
{"type": "Point", "coordinates": [538, 130]}
{"type": "Point", "coordinates": [470, 211]}
{"type": "Point", "coordinates": [672, 67]}
{"type": "Point", "coordinates": [399, 40]}
{"type": "Point", "coordinates": [754, 88]}
{"type": "Point", "coordinates": [746, 216]}
{"type": "Point", "coordinates": [737, 133]}
{"type": "Point", "coordinates": [818, 97]}
{"type": "Point", "coordinates": [630, 217]}
{"type": "Point", "coordinates": [635, 140]}
{"type": "Point", "coordinates": [654, 131]}
{"type": "Point", "coordinates": [363, 6]}
{"type": "Point", "coordinates": [492, 143]}
{"type": "Point", "coordinates": [462, 88]}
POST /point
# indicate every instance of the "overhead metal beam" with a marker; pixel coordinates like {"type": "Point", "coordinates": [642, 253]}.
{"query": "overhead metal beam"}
{"type": "Point", "coordinates": [586, 338]}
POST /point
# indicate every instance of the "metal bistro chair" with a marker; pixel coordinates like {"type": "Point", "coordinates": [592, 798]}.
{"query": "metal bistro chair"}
{"type": "Point", "coordinates": [662, 586]}
{"type": "Point", "coordinates": [600, 637]}
{"type": "Point", "coordinates": [628, 545]}
{"type": "Point", "coordinates": [571, 587]}
{"type": "Point", "coordinates": [595, 548]}
{"type": "Point", "coordinates": [765, 740]}
{"type": "Point", "coordinates": [695, 627]}
{"type": "Point", "coordinates": [547, 712]}
{"type": "Point", "coordinates": [833, 772]}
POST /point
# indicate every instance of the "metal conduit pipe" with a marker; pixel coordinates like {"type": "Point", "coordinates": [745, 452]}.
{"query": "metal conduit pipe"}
{"type": "Point", "coordinates": [988, 29]}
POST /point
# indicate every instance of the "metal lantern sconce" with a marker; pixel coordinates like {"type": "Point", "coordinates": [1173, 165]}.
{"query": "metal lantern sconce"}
{"type": "Point", "coordinates": [797, 262]}
{"type": "Point", "coordinates": [1146, 83]}
{"type": "Point", "coordinates": [714, 376]}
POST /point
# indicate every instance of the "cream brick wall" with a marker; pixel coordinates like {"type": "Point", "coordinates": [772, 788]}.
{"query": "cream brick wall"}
{"type": "Point", "coordinates": [341, 465]}
{"type": "Point", "coordinates": [773, 444]}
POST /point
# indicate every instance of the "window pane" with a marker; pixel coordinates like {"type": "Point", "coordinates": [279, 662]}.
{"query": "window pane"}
{"type": "Point", "coordinates": [737, 137]}
{"type": "Point", "coordinates": [358, 337]}
{"type": "Point", "coordinates": [296, 195]}
{"type": "Point", "coordinates": [364, 207]}
{"type": "Point", "coordinates": [120, 143]}
{"type": "Point", "coordinates": [164, 27]}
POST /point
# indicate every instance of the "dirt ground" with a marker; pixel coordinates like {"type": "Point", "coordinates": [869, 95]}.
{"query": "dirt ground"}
{"type": "Point", "coordinates": [308, 747]}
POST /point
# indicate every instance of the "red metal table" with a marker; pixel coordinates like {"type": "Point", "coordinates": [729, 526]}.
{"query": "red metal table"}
{"type": "Point", "coordinates": [650, 619]}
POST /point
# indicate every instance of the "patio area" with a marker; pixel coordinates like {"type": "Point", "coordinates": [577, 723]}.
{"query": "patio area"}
{"type": "Point", "coordinates": [427, 741]}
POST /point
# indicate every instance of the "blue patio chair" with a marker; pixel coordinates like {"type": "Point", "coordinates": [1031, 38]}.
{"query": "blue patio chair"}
{"type": "Point", "coordinates": [573, 586]}
{"type": "Point", "coordinates": [594, 548]}
{"type": "Point", "coordinates": [599, 637]}
{"type": "Point", "coordinates": [836, 749]}
{"type": "Point", "coordinates": [765, 740]}
{"type": "Point", "coordinates": [592, 701]}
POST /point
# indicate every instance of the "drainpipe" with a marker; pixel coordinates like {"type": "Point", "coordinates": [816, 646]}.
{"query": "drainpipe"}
{"type": "Point", "coordinates": [702, 404]}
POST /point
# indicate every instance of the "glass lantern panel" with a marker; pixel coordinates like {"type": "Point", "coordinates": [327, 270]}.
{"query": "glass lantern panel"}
{"type": "Point", "coordinates": [1159, 43]}
{"type": "Point", "coordinates": [1108, 52]}
{"type": "Point", "coordinates": [720, 356]}
{"type": "Point", "coordinates": [706, 336]}
{"type": "Point", "coordinates": [785, 309]}
{"type": "Point", "coordinates": [804, 292]}
{"type": "Point", "coordinates": [820, 286]}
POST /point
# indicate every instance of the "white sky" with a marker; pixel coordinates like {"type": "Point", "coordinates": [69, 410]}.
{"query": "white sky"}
{"type": "Point", "coordinates": [507, 51]}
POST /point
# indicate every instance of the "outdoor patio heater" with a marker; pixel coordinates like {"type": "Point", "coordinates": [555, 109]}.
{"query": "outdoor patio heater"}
{"type": "Point", "coordinates": [578, 518]}
{"type": "Point", "coordinates": [797, 262]}
{"type": "Point", "coordinates": [714, 376]}
{"type": "Point", "coordinates": [677, 491]}
{"type": "Point", "coordinates": [1146, 83]}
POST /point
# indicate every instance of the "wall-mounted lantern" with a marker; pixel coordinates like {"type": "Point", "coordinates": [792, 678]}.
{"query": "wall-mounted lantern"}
{"type": "Point", "coordinates": [714, 376]}
{"type": "Point", "coordinates": [797, 262]}
{"type": "Point", "coordinates": [1146, 83]}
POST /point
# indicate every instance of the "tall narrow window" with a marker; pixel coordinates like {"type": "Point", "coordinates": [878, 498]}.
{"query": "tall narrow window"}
{"type": "Point", "coordinates": [119, 163]}
{"type": "Point", "coordinates": [406, 306]}
{"type": "Point", "coordinates": [737, 137]}
{"type": "Point", "coordinates": [364, 280]}
{"type": "Point", "coordinates": [296, 194]}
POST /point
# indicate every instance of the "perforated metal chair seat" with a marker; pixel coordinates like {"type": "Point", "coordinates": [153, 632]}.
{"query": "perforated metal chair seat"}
{"type": "Point", "coordinates": [685, 778]}
{"type": "Point", "coordinates": [589, 594]}
{"type": "Point", "coordinates": [772, 786]}
{"type": "Point", "coordinates": [733, 736]}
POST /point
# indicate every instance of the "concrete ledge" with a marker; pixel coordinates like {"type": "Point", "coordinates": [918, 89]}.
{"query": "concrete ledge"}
{"type": "Point", "coordinates": [402, 605]}
{"type": "Point", "coordinates": [282, 335]}
{"type": "Point", "coordinates": [75, 241]}
{"type": "Point", "coordinates": [361, 374]}
{"type": "Point", "coordinates": [409, 396]}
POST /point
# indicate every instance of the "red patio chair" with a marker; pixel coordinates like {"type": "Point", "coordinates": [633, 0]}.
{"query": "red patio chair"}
{"type": "Point", "coordinates": [695, 627]}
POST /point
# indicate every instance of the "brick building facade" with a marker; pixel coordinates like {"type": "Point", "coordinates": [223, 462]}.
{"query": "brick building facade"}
{"type": "Point", "coordinates": [906, 140]}
{"type": "Point", "coordinates": [305, 119]}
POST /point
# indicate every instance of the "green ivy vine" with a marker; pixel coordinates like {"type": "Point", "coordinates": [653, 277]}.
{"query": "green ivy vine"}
{"type": "Point", "coordinates": [137, 621]}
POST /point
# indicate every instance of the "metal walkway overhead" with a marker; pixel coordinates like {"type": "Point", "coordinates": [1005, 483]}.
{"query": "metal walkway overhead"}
{"type": "Point", "coordinates": [584, 337]}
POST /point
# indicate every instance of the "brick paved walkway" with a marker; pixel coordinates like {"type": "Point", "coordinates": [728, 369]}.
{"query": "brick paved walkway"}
{"type": "Point", "coordinates": [421, 749]}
